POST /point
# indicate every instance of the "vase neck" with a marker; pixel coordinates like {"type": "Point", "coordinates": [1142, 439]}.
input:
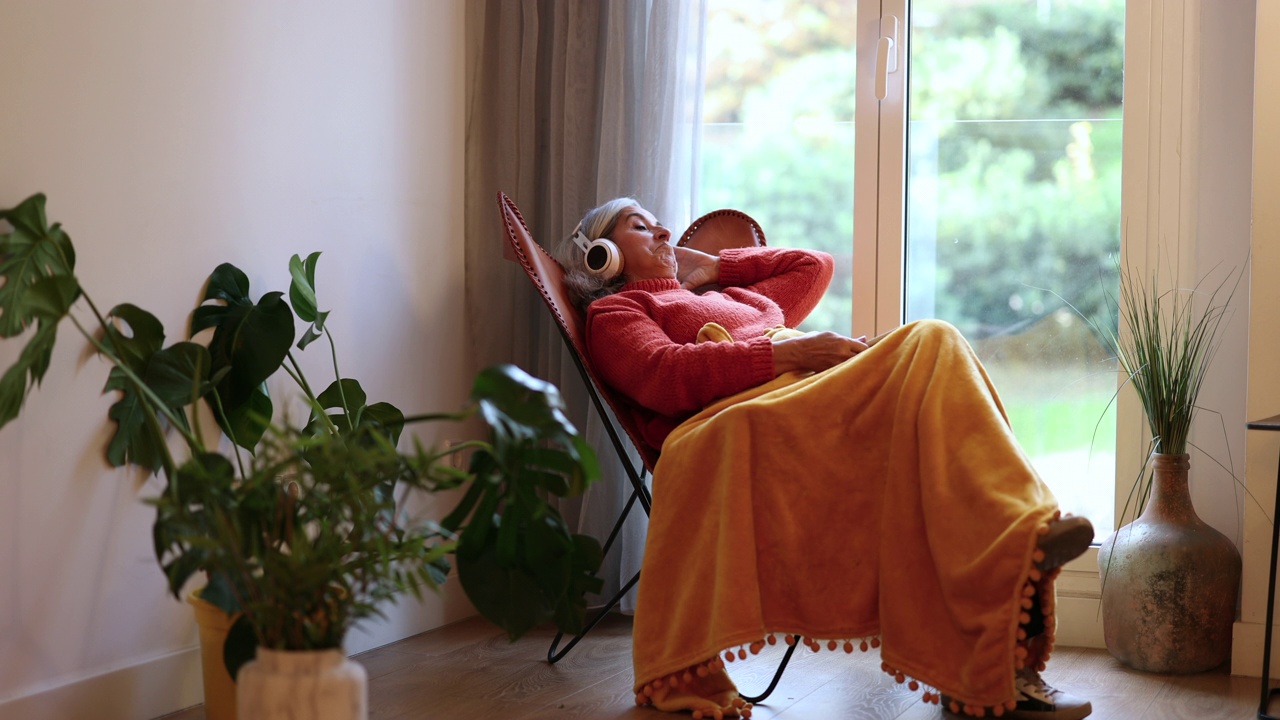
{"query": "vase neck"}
{"type": "Point", "coordinates": [1170, 496]}
{"type": "Point", "coordinates": [304, 661]}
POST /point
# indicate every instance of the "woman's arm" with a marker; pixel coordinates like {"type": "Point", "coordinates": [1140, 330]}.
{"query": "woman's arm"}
{"type": "Point", "coordinates": [635, 356]}
{"type": "Point", "coordinates": [816, 351]}
{"type": "Point", "coordinates": [795, 279]}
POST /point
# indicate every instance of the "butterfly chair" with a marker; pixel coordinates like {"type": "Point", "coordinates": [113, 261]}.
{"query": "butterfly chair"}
{"type": "Point", "coordinates": [711, 233]}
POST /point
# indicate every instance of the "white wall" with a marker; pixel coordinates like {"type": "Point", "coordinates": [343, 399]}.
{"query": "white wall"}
{"type": "Point", "coordinates": [1223, 157]}
{"type": "Point", "coordinates": [169, 137]}
{"type": "Point", "coordinates": [1264, 347]}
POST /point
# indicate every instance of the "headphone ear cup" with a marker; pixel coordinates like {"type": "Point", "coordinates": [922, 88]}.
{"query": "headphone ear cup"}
{"type": "Point", "coordinates": [603, 258]}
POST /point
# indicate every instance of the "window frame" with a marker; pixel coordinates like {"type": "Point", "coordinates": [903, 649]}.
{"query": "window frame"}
{"type": "Point", "coordinates": [1161, 120]}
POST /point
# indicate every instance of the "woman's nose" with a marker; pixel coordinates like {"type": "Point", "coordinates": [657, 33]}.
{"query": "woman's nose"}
{"type": "Point", "coordinates": [662, 234]}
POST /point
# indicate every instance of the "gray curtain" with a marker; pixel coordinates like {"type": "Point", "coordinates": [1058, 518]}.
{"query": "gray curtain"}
{"type": "Point", "coordinates": [571, 103]}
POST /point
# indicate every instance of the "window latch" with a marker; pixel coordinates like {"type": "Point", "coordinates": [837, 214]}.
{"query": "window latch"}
{"type": "Point", "coordinates": [886, 54]}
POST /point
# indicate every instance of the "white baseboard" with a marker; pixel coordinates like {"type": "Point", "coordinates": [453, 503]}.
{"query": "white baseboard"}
{"type": "Point", "coordinates": [1079, 623]}
{"type": "Point", "coordinates": [1078, 607]}
{"type": "Point", "coordinates": [1247, 640]}
{"type": "Point", "coordinates": [146, 690]}
{"type": "Point", "coordinates": [167, 684]}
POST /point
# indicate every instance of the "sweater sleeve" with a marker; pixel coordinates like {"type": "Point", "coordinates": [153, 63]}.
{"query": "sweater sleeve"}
{"type": "Point", "coordinates": [795, 279]}
{"type": "Point", "coordinates": [635, 356]}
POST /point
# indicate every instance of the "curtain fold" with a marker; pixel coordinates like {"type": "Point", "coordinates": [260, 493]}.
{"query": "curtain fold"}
{"type": "Point", "coordinates": [570, 104]}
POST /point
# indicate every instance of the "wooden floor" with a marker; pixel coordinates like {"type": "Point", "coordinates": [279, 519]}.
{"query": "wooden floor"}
{"type": "Point", "coordinates": [469, 670]}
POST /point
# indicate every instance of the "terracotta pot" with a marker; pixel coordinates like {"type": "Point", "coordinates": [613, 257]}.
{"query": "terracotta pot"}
{"type": "Point", "coordinates": [1169, 582]}
{"type": "Point", "coordinates": [302, 685]}
{"type": "Point", "coordinates": [219, 688]}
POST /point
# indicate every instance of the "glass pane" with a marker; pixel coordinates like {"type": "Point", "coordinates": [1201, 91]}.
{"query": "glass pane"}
{"type": "Point", "coordinates": [1013, 215]}
{"type": "Point", "coordinates": [777, 137]}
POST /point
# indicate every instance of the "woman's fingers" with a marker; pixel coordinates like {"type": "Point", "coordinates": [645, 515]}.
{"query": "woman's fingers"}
{"type": "Point", "coordinates": [695, 268]}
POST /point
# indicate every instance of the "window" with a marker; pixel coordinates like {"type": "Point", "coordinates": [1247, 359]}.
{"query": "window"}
{"type": "Point", "coordinates": [988, 191]}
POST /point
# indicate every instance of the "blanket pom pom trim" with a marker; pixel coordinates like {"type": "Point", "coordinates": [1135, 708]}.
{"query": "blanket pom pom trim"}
{"type": "Point", "coordinates": [1025, 654]}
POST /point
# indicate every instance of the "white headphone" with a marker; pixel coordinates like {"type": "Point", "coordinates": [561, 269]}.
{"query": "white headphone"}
{"type": "Point", "coordinates": [600, 257]}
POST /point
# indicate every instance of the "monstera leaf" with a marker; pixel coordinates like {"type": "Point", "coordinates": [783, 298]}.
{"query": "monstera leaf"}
{"type": "Point", "coordinates": [517, 560]}
{"type": "Point", "coordinates": [348, 402]}
{"type": "Point", "coordinates": [250, 342]}
{"type": "Point", "coordinates": [302, 293]}
{"type": "Point", "coordinates": [173, 377]}
{"type": "Point", "coordinates": [37, 289]}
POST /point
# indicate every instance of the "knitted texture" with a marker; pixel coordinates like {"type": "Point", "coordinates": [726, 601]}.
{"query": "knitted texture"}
{"type": "Point", "coordinates": [643, 340]}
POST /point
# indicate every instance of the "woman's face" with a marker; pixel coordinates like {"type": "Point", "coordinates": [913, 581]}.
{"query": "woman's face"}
{"type": "Point", "coordinates": [646, 254]}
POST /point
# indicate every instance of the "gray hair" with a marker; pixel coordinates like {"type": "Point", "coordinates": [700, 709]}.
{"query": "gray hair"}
{"type": "Point", "coordinates": [599, 222]}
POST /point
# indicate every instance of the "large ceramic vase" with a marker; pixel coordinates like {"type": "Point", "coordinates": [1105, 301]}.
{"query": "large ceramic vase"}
{"type": "Point", "coordinates": [302, 685]}
{"type": "Point", "coordinates": [1169, 582]}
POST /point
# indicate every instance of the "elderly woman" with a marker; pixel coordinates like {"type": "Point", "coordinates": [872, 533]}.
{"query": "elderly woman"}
{"type": "Point", "coordinates": [854, 492]}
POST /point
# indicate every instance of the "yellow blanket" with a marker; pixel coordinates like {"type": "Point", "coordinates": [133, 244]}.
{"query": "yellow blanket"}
{"type": "Point", "coordinates": [883, 499]}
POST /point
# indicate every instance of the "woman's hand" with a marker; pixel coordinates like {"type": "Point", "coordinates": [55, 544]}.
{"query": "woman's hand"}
{"type": "Point", "coordinates": [815, 351]}
{"type": "Point", "coordinates": [696, 268]}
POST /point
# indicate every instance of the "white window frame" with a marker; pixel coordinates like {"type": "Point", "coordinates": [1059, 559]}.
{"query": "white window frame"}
{"type": "Point", "coordinates": [1161, 119]}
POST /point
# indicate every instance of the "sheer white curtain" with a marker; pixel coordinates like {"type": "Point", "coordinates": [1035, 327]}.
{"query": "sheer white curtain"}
{"type": "Point", "coordinates": [570, 104]}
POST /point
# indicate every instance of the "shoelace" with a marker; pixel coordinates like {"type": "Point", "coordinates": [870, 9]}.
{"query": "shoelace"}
{"type": "Point", "coordinates": [1033, 687]}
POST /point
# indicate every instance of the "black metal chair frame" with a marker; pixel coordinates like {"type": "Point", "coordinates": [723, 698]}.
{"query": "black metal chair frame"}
{"type": "Point", "coordinates": [640, 491]}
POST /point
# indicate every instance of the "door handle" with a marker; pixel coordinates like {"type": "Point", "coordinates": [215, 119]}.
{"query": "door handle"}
{"type": "Point", "coordinates": [886, 54]}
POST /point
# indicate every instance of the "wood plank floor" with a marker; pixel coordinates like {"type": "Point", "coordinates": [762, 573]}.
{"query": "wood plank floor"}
{"type": "Point", "coordinates": [469, 670]}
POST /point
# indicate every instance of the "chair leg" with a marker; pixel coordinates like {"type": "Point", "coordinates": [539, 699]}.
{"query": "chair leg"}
{"type": "Point", "coordinates": [554, 657]}
{"type": "Point", "coordinates": [753, 699]}
{"type": "Point", "coordinates": [622, 518]}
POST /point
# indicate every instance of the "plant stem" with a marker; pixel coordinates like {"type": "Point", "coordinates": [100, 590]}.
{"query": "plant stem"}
{"type": "Point", "coordinates": [333, 353]}
{"type": "Point", "coordinates": [226, 423]}
{"type": "Point", "coordinates": [296, 373]}
{"type": "Point", "coordinates": [150, 401]}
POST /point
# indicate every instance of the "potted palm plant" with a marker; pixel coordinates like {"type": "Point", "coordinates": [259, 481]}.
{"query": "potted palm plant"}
{"type": "Point", "coordinates": [1170, 580]}
{"type": "Point", "coordinates": [295, 528]}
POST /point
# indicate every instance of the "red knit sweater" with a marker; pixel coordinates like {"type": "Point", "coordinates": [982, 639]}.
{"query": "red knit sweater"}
{"type": "Point", "coordinates": [642, 339]}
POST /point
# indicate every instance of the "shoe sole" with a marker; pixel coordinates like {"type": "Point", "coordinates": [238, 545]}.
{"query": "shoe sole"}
{"type": "Point", "coordinates": [1066, 540]}
{"type": "Point", "coordinates": [1064, 714]}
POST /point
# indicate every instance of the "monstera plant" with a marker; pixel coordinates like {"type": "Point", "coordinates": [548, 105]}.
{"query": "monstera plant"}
{"type": "Point", "coordinates": [295, 526]}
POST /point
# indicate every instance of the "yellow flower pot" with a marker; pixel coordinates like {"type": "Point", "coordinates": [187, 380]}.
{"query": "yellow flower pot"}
{"type": "Point", "coordinates": [219, 688]}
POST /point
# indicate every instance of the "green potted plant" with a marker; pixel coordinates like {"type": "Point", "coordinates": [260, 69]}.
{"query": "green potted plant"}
{"type": "Point", "coordinates": [1170, 580]}
{"type": "Point", "coordinates": [295, 527]}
